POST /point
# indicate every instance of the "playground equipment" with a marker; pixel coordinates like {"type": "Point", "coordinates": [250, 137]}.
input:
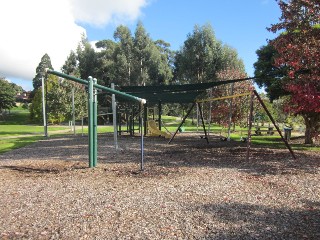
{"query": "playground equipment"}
{"type": "Point", "coordinates": [155, 131]}
{"type": "Point", "coordinates": [225, 132]}
{"type": "Point", "coordinates": [253, 94]}
{"type": "Point", "coordinates": [92, 111]}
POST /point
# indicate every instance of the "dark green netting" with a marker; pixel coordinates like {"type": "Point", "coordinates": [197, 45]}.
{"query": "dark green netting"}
{"type": "Point", "coordinates": [179, 88]}
{"type": "Point", "coordinates": [185, 93]}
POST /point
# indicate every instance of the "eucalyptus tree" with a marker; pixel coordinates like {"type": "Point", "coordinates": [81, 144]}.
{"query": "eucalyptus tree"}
{"type": "Point", "coordinates": [106, 71]}
{"type": "Point", "coordinates": [202, 56]}
{"type": "Point", "coordinates": [159, 63]}
{"type": "Point", "coordinates": [142, 44]}
{"type": "Point", "coordinates": [87, 59]}
{"type": "Point", "coordinates": [124, 53]}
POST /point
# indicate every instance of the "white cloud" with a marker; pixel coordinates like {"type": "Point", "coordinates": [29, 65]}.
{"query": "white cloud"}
{"type": "Point", "coordinates": [29, 29]}
{"type": "Point", "coordinates": [101, 12]}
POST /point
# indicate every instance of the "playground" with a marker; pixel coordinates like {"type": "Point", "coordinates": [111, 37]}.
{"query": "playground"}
{"type": "Point", "coordinates": [148, 183]}
{"type": "Point", "coordinates": [189, 189]}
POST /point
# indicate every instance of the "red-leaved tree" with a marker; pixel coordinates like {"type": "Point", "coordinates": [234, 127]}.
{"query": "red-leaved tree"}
{"type": "Point", "coordinates": [298, 46]}
{"type": "Point", "coordinates": [221, 108]}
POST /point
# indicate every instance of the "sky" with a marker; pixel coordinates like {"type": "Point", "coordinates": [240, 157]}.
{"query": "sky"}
{"type": "Point", "coordinates": [29, 29]}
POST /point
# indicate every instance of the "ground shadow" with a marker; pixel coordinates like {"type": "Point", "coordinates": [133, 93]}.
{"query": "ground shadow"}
{"type": "Point", "coordinates": [186, 151]}
{"type": "Point", "coordinates": [261, 222]}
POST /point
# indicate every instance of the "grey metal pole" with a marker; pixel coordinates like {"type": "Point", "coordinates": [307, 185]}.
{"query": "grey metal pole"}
{"type": "Point", "coordinates": [95, 124]}
{"type": "Point", "coordinates": [210, 112]}
{"type": "Point", "coordinates": [44, 110]}
{"type": "Point", "coordinates": [142, 141]}
{"type": "Point", "coordinates": [114, 114]}
{"type": "Point", "coordinates": [90, 121]}
{"type": "Point", "coordinates": [73, 113]}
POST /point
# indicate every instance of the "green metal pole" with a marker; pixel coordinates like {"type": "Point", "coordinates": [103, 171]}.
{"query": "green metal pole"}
{"type": "Point", "coordinates": [72, 78]}
{"type": "Point", "coordinates": [106, 89]}
{"type": "Point", "coordinates": [274, 124]}
{"type": "Point", "coordinates": [249, 127]}
{"type": "Point", "coordinates": [95, 125]}
{"type": "Point", "coordinates": [203, 124]}
{"type": "Point", "coordinates": [182, 122]}
{"type": "Point", "coordinates": [90, 120]}
{"type": "Point", "coordinates": [92, 109]}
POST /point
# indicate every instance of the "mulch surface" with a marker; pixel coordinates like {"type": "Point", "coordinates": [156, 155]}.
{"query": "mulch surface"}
{"type": "Point", "coordinates": [188, 190]}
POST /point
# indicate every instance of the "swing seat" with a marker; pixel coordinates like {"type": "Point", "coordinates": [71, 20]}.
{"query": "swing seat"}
{"type": "Point", "coordinates": [243, 139]}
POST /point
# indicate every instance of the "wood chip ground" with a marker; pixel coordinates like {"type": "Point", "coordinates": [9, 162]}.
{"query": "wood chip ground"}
{"type": "Point", "coordinates": [188, 190]}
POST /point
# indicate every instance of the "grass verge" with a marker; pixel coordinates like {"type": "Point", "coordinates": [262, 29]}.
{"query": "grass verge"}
{"type": "Point", "coordinates": [14, 143]}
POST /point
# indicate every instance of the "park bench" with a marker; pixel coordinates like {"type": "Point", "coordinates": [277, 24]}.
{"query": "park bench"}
{"type": "Point", "coordinates": [260, 130]}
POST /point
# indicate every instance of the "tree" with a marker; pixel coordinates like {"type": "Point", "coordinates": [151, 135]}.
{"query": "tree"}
{"type": "Point", "coordinates": [7, 95]}
{"type": "Point", "coordinates": [202, 56]}
{"type": "Point", "coordinates": [124, 52]}
{"type": "Point", "coordinates": [87, 59]}
{"type": "Point", "coordinates": [40, 71]}
{"type": "Point", "coordinates": [70, 66]}
{"type": "Point", "coordinates": [141, 43]}
{"type": "Point", "coordinates": [160, 63]}
{"type": "Point", "coordinates": [271, 77]}
{"type": "Point", "coordinates": [107, 67]}
{"type": "Point", "coordinates": [240, 105]}
{"type": "Point", "coordinates": [36, 114]}
{"type": "Point", "coordinates": [298, 48]}
{"type": "Point", "coordinates": [134, 60]}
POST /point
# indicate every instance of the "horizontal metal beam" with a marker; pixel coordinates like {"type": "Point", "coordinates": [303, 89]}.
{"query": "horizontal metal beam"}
{"type": "Point", "coordinates": [109, 90]}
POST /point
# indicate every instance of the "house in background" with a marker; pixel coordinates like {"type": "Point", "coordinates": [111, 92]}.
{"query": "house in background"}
{"type": "Point", "coordinates": [23, 97]}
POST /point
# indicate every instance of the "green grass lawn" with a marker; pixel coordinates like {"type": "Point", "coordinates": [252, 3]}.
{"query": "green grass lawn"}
{"type": "Point", "coordinates": [273, 141]}
{"type": "Point", "coordinates": [13, 143]}
{"type": "Point", "coordinates": [18, 124]}
{"type": "Point", "coordinates": [16, 130]}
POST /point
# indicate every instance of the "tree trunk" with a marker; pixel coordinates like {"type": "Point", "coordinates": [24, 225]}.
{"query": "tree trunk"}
{"type": "Point", "coordinates": [129, 73]}
{"type": "Point", "coordinates": [312, 122]}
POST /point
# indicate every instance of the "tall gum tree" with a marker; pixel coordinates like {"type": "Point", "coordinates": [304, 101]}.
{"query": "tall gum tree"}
{"type": "Point", "coordinates": [125, 50]}
{"type": "Point", "coordinates": [202, 56]}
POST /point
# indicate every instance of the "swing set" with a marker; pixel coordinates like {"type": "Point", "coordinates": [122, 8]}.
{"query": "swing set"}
{"type": "Point", "coordinates": [253, 94]}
